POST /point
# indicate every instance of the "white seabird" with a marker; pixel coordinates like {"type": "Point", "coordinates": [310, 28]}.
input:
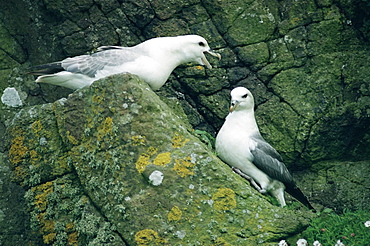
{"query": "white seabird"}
{"type": "Point", "coordinates": [240, 145]}
{"type": "Point", "coordinates": [153, 61]}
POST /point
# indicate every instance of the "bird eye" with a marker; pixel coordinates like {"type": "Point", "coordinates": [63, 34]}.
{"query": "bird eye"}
{"type": "Point", "coordinates": [202, 44]}
{"type": "Point", "coordinates": [245, 96]}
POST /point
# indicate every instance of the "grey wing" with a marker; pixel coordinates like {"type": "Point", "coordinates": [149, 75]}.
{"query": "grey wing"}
{"type": "Point", "coordinates": [106, 56]}
{"type": "Point", "coordinates": [268, 160]}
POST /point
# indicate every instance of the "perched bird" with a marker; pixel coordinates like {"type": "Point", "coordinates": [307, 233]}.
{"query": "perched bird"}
{"type": "Point", "coordinates": [153, 61]}
{"type": "Point", "coordinates": [240, 144]}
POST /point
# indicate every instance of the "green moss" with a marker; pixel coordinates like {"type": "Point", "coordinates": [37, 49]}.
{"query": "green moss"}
{"type": "Point", "coordinates": [255, 55]}
{"type": "Point", "coordinates": [260, 22]}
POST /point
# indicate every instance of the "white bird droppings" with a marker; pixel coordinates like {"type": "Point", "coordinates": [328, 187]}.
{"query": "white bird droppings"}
{"type": "Point", "coordinates": [180, 234]}
{"type": "Point", "coordinates": [156, 178]}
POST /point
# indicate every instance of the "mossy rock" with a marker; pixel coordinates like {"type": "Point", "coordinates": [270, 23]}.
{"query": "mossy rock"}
{"type": "Point", "coordinates": [116, 145]}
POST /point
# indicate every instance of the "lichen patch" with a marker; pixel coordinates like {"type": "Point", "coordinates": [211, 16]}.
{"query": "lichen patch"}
{"type": "Point", "coordinates": [224, 199]}
{"type": "Point", "coordinates": [162, 159]}
{"type": "Point", "coordinates": [184, 167]}
{"type": "Point", "coordinates": [175, 214]}
{"type": "Point", "coordinates": [178, 140]}
{"type": "Point", "coordinates": [148, 237]}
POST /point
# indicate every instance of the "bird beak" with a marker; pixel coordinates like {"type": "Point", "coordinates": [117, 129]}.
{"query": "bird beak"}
{"type": "Point", "coordinates": [234, 105]}
{"type": "Point", "coordinates": [212, 53]}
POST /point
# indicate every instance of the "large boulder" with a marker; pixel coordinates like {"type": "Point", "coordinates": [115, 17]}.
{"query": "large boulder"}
{"type": "Point", "coordinates": [113, 164]}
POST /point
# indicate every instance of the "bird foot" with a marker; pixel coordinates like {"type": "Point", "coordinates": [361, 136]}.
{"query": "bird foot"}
{"type": "Point", "coordinates": [250, 179]}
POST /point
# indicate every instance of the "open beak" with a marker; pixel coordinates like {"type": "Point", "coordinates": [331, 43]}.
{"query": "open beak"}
{"type": "Point", "coordinates": [212, 53]}
{"type": "Point", "coordinates": [234, 105]}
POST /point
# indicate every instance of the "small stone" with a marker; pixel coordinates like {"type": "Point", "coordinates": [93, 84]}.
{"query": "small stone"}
{"type": "Point", "coordinates": [11, 97]}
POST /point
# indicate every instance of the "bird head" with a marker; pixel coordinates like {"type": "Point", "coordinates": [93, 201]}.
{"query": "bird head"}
{"type": "Point", "coordinates": [241, 99]}
{"type": "Point", "coordinates": [196, 47]}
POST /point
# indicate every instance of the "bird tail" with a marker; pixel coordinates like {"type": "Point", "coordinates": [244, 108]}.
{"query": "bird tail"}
{"type": "Point", "coordinates": [46, 69]}
{"type": "Point", "coordinates": [298, 194]}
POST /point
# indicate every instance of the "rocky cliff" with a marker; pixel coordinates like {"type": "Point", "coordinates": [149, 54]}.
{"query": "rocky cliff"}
{"type": "Point", "coordinates": [305, 62]}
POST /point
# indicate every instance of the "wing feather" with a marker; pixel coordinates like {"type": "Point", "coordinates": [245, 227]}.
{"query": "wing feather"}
{"type": "Point", "coordinates": [107, 56]}
{"type": "Point", "coordinates": [268, 160]}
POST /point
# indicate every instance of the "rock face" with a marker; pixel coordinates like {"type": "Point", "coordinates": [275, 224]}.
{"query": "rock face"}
{"type": "Point", "coordinates": [114, 165]}
{"type": "Point", "coordinates": [306, 62]}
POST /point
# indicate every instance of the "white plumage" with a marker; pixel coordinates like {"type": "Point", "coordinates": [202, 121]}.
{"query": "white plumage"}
{"type": "Point", "coordinates": [153, 61]}
{"type": "Point", "coordinates": [240, 144]}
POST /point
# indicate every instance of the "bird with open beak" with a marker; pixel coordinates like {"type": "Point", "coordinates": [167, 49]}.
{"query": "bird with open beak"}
{"type": "Point", "coordinates": [153, 61]}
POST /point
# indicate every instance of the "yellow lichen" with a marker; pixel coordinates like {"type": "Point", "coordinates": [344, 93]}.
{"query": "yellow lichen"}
{"type": "Point", "coordinates": [63, 165]}
{"type": "Point", "coordinates": [72, 234]}
{"type": "Point", "coordinates": [221, 242]}
{"type": "Point", "coordinates": [105, 128]}
{"type": "Point", "coordinates": [175, 214]}
{"type": "Point", "coordinates": [144, 158]}
{"type": "Point", "coordinates": [162, 159]}
{"type": "Point", "coordinates": [41, 198]}
{"type": "Point", "coordinates": [179, 140]}
{"type": "Point", "coordinates": [69, 226]}
{"type": "Point", "coordinates": [184, 167]}
{"type": "Point", "coordinates": [224, 199]}
{"type": "Point", "coordinates": [49, 238]}
{"type": "Point", "coordinates": [73, 238]}
{"type": "Point", "coordinates": [47, 228]}
{"type": "Point", "coordinates": [71, 138]}
{"type": "Point", "coordinates": [138, 140]}
{"type": "Point", "coordinates": [151, 151]}
{"type": "Point", "coordinates": [17, 149]}
{"type": "Point", "coordinates": [97, 99]}
{"type": "Point", "coordinates": [19, 172]}
{"type": "Point", "coordinates": [142, 162]}
{"type": "Point", "coordinates": [148, 237]}
{"type": "Point", "coordinates": [36, 127]}
{"type": "Point", "coordinates": [34, 156]}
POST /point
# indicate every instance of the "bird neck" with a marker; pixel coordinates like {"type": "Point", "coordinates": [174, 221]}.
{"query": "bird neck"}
{"type": "Point", "coordinates": [243, 119]}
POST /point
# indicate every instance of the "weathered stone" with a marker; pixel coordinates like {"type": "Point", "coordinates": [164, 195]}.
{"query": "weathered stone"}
{"type": "Point", "coordinates": [170, 27]}
{"type": "Point", "coordinates": [255, 24]}
{"type": "Point", "coordinates": [254, 55]}
{"type": "Point", "coordinates": [138, 12]}
{"type": "Point", "coordinates": [298, 14]}
{"type": "Point", "coordinates": [14, 218]}
{"type": "Point", "coordinates": [338, 185]}
{"type": "Point", "coordinates": [224, 13]}
{"type": "Point", "coordinates": [116, 145]}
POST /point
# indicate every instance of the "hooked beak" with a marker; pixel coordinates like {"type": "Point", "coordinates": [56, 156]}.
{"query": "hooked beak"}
{"type": "Point", "coordinates": [212, 53]}
{"type": "Point", "coordinates": [234, 105]}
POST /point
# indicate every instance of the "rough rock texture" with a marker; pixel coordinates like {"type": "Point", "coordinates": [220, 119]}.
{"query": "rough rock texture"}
{"type": "Point", "coordinates": [340, 185]}
{"type": "Point", "coordinates": [306, 62]}
{"type": "Point", "coordinates": [114, 165]}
